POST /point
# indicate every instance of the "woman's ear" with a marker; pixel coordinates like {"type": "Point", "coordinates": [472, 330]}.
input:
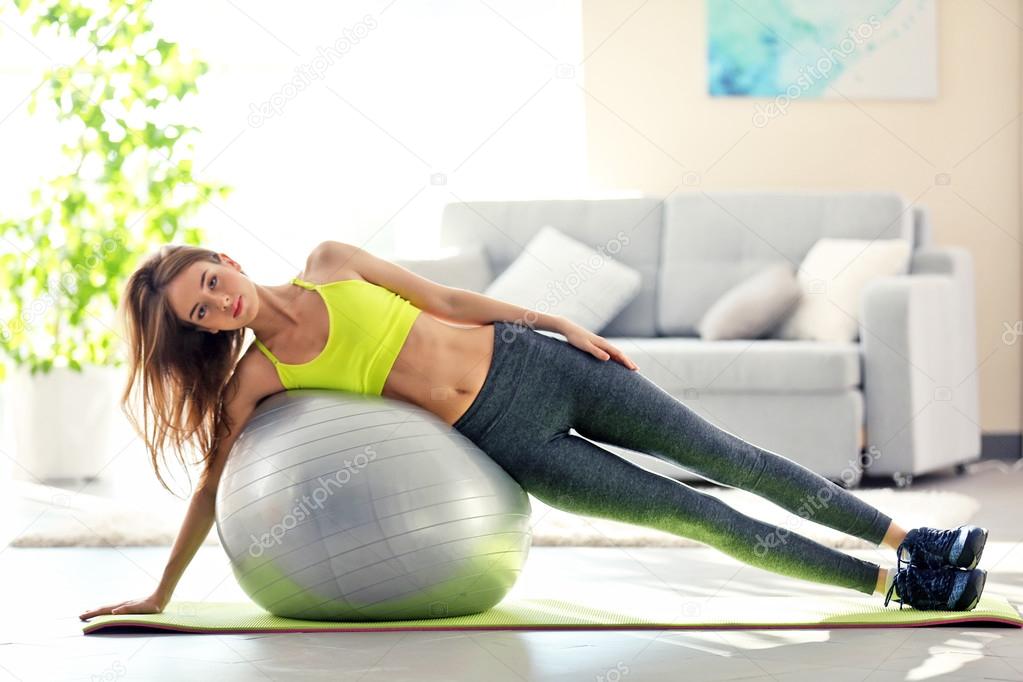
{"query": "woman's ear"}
{"type": "Point", "coordinates": [230, 261]}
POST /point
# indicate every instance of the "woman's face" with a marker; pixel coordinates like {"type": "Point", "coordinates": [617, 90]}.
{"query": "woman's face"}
{"type": "Point", "coordinates": [205, 294]}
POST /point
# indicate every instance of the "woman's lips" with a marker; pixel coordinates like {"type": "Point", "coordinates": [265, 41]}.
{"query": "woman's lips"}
{"type": "Point", "coordinates": [238, 307]}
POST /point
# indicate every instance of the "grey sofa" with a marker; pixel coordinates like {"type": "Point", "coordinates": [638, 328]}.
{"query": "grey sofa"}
{"type": "Point", "coordinates": [901, 400]}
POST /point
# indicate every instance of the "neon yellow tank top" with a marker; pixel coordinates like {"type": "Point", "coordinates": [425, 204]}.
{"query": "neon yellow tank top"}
{"type": "Point", "coordinates": [368, 327]}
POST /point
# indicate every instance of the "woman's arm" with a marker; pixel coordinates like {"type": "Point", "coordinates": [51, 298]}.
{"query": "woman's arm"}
{"type": "Point", "coordinates": [200, 516]}
{"type": "Point", "coordinates": [198, 520]}
{"type": "Point", "coordinates": [447, 303]}
{"type": "Point", "coordinates": [248, 385]}
{"type": "Point", "coordinates": [461, 306]}
{"type": "Point", "coordinates": [469, 307]}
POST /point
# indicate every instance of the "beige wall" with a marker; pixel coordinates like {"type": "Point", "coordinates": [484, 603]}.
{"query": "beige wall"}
{"type": "Point", "coordinates": [650, 122]}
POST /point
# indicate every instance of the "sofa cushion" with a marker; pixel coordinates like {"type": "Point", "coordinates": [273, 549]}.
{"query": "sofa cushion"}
{"type": "Point", "coordinates": [832, 278]}
{"type": "Point", "coordinates": [680, 363]}
{"type": "Point", "coordinates": [558, 275]}
{"type": "Point", "coordinates": [629, 229]}
{"type": "Point", "coordinates": [461, 267]}
{"type": "Point", "coordinates": [714, 240]}
{"type": "Point", "coordinates": [753, 307]}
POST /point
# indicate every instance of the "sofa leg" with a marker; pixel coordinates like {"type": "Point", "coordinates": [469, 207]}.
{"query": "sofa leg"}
{"type": "Point", "coordinates": [902, 480]}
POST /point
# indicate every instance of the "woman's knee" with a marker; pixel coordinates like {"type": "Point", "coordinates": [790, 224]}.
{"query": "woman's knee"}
{"type": "Point", "coordinates": [576, 475]}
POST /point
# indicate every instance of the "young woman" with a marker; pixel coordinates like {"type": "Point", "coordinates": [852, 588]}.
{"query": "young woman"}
{"type": "Point", "coordinates": [354, 322]}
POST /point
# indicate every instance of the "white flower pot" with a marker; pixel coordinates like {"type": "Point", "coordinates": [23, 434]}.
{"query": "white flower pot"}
{"type": "Point", "coordinates": [62, 421]}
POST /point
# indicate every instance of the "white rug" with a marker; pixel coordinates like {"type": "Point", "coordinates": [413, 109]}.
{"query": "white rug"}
{"type": "Point", "coordinates": [53, 517]}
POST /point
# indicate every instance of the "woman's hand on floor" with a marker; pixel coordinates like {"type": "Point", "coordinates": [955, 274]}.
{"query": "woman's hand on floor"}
{"type": "Point", "coordinates": [150, 604]}
{"type": "Point", "coordinates": [596, 345]}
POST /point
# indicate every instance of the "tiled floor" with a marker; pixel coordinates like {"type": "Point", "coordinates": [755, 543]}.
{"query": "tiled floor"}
{"type": "Point", "coordinates": [43, 590]}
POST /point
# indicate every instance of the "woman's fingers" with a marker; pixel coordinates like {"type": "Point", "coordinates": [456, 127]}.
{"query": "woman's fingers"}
{"type": "Point", "coordinates": [627, 362]}
{"type": "Point", "coordinates": [99, 612]}
{"type": "Point", "coordinates": [613, 350]}
{"type": "Point", "coordinates": [133, 606]}
{"type": "Point", "coordinates": [150, 604]}
{"type": "Point", "coordinates": [599, 347]}
{"type": "Point", "coordinates": [112, 609]}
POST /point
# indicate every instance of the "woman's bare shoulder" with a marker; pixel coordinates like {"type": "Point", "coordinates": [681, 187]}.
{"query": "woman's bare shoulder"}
{"type": "Point", "coordinates": [325, 265]}
{"type": "Point", "coordinates": [255, 376]}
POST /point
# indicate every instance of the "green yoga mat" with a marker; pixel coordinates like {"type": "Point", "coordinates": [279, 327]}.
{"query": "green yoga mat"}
{"type": "Point", "coordinates": [718, 613]}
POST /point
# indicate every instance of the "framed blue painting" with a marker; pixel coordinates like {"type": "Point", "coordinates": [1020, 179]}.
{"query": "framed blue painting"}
{"type": "Point", "coordinates": [884, 49]}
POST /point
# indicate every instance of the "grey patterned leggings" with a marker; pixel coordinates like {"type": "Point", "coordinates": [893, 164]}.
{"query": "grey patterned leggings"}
{"type": "Point", "coordinates": [539, 386]}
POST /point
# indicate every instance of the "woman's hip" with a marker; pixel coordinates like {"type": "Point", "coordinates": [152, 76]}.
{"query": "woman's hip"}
{"type": "Point", "coordinates": [533, 391]}
{"type": "Point", "coordinates": [519, 400]}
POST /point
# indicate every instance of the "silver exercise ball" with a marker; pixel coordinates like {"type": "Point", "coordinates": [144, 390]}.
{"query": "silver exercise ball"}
{"type": "Point", "coordinates": [339, 506]}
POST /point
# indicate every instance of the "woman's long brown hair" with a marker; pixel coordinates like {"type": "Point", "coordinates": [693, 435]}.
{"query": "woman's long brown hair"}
{"type": "Point", "coordinates": [180, 372]}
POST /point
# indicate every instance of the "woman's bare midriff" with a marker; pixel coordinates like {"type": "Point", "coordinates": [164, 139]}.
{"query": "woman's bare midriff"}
{"type": "Point", "coordinates": [441, 367]}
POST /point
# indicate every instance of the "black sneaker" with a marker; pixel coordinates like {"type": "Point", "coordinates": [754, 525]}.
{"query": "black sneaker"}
{"type": "Point", "coordinates": [932, 548]}
{"type": "Point", "coordinates": [937, 589]}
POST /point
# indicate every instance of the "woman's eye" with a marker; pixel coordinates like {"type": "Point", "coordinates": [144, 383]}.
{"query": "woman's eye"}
{"type": "Point", "coordinates": [202, 310]}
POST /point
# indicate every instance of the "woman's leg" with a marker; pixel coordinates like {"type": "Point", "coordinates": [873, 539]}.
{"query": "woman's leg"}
{"type": "Point", "coordinates": [573, 474]}
{"type": "Point", "coordinates": [521, 419]}
{"type": "Point", "coordinates": [621, 407]}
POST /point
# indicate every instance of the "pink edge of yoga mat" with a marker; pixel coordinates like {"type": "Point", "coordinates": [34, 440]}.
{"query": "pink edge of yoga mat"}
{"type": "Point", "coordinates": [100, 627]}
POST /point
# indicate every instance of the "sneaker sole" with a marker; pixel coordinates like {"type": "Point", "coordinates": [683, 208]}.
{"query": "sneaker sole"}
{"type": "Point", "coordinates": [980, 591]}
{"type": "Point", "coordinates": [976, 555]}
{"type": "Point", "coordinates": [937, 563]}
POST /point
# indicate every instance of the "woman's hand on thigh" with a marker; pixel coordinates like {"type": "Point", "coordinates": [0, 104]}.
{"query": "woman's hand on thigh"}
{"type": "Point", "coordinates": [596, 345]}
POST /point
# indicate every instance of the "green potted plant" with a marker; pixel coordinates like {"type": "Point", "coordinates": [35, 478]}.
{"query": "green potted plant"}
{"type": "Point", "coordinates": [127, 186]}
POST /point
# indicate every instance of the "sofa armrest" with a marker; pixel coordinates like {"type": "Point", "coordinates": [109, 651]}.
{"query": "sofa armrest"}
{"type": "Point", "coordinates": [918, 339]}
{"type": "Point", "coordinates": [944, 260]}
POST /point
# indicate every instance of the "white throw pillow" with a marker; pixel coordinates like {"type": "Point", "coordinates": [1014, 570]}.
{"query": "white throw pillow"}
{"type": "Point", "coordinates": [558, 275]}
{"type": "Point", "coordinates": [462, 267]}
{"type": "Point", "coordinates": [752, 307]}
{"type": "Point", "coordinates": [832, 277]}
